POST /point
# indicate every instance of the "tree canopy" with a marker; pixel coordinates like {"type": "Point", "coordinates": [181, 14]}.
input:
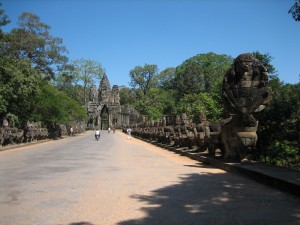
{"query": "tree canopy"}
{"type": "Point", "coordinates": [86, 72]}
{"type": "Point", "coordinates": [295, 10]}
{"type": "Point", "coordinates": [279, 130]}
{"type": "Point", "coordinates": [166, 77]}
{"type": "Point", "coordinates": [200, 73]}
{"type": "Point", "coordinates": [156, 103]}
{"type": "Point", "coordinates": [32, 41]}
{"type": "Point", "coordinates": [19, 85]}
{"type": "Point", "coordinates": [29, 58]}
{"type": "Point", "coordinates": [3, 18]}
{"type": "Point", "coordinates": [126, 96]}
{"type": "Point", "coordinates": [144, 77]}
{"type": "Point", "coordinates": [266, 60]}
{"type": "Point", "coordinates": [55, 107]}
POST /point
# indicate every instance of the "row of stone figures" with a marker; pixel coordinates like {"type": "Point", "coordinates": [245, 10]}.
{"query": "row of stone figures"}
{"type": "Point", "coordinates": [61, 130]}
{"type": "Point", "coordinates": [35, 132]}
{"type": "Point", "coordinates": [178, 131]}
{"type": "Point", "coordinates": [245, 92]}
{"type": "Point", "coordinates": [14, 135]}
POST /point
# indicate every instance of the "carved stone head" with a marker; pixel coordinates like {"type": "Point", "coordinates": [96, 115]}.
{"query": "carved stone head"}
{"type": "Point", "coordinates": [245, 85]}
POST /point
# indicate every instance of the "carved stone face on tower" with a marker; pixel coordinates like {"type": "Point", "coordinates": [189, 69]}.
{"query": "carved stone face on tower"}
{"type": "Point", "coordinates": [94, 94]}
{"type": "Point", "coordinates": [116, 95]}
{"type": "Point", "coordinates": [104, 90]}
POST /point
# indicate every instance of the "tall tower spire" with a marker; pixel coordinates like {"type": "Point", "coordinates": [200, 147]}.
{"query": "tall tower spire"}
{"type": "Point", "coordinates": [104, 90]}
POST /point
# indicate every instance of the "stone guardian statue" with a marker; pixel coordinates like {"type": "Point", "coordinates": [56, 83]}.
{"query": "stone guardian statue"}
{"type": "Point", "coordinates": [244, 92]}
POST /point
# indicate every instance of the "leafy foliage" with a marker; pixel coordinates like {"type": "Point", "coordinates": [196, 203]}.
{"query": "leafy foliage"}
{"type": "Point", "coordinates": [279, 130]}
{"type": "Point", "coordinates": [144, 77]}
{"type": "Point", "coordinates": [4, 20]}
{"type": "Point", "coordinates": [54, 107]}
{"type": "Point", "coordinates": [19, 85]}
{"type": "Point", "coordinates": [86, 71]}
{"type": "Point", "coordinates": [295, 10]}
{"type": "Point", "coordinates": [266, 59]}
{"type": "Point", "coordinates": [192, 87]}
{"type": "Point", "coordinates": [32, 41]}
{"type": "Point", "coordinates": [27, 56]}
{"type": "Point", "coordinates": [156, 103]}
{"type": "Point", "coordinates": [127, 96]}
{"type": "Point", "coordinates": [166, 78]}
{"type": "Point", "coordinates": [200, 73]}
{"type": "Point", "coordinates": [194, 104]}
{"type": "Point", "coordinates": [66, 82]}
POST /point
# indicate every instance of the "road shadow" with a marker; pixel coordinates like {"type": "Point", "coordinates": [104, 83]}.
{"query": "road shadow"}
{"type": "Point", "coordinates": [217, 199]}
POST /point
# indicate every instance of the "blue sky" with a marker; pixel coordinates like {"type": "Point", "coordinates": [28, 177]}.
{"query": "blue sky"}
{"type": "Point", "coordinates": [122, 34]}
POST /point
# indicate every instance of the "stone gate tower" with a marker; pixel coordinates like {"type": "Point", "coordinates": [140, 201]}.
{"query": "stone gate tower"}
{"type": "Point", "coordinates": [104, 109]}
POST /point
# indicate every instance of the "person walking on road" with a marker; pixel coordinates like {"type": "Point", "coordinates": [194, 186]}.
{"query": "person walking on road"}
{"type": "Point", "coordinates": [71, 131]}
{"type": "Point", "coordinates": [97, 134]}
{"type": "Point", "coordinates": [129, 133]}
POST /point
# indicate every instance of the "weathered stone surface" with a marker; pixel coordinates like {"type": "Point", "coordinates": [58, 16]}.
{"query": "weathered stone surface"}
{"type": "Point", "coordinates": [245, 92]}
{"type": "Point", "coordinates": [104, 109]}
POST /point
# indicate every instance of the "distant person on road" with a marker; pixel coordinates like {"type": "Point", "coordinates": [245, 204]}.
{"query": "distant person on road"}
{"type": "Point", "coordinates": [114, 130]}
{"type": "Point", "coordinates": [71, 131]}
{"type": "Point", "coordinates": [108, 130]}
{"type": "Point", "coordinates": [97, 134]}
{"type": "Point", "coordinates": [129, 133]}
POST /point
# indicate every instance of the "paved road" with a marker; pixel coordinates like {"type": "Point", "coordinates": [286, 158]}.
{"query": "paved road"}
{"type": "Point", "coordinates": [79, 181]}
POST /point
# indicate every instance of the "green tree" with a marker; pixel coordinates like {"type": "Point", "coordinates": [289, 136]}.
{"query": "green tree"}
{"type": "Point", "coordinates": [201, 73]}
{"type": "Point", "coordinates": [4, 20]}
{"type": "Point", "coordinates": [193, 104]}
{"type": "Point", "coordinates": [266, 59]}
{"type": "Point", "coordinates": [66, 77]}
{"type": "Point", "coordinates": [279, 132]}
{"type": "Point", "coordinates": [144, 77]}
{"type": "Point", "coordinates": [55, 107]}
{"type": "Point", "coordinates": [28, 55]}
{"type": "Point", "coordinates": [156, 103]}
{"type": "Point", "coordinates": [86, 72]}
{"type": "Point", "coordinates": [295, 10]}
{"type": "Point", "coordinates": [19, 85]}
{"type": "Point", "coordinates": [127, 96]}
{"type": "Point", "coordinates": [66, 82]}
{"type": "Point", "coordinates": [166, 78]}
{"type": "Point", "coordinates": [32, 41]}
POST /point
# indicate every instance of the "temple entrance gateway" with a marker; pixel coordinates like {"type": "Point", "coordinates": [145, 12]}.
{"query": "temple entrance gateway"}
{"type": "Point", "coordinates": [104, 109]}
{"type": "Point", "coordinates": [104, 118]}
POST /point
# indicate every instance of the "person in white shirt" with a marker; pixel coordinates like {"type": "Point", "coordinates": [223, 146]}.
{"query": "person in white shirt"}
{"type": "Point", "coordinates": [129, 133]}
{"type": "Point", "coordinates": [97, 134]}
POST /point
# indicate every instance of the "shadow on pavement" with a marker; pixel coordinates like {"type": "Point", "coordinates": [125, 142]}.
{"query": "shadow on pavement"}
{"type": "Point", "coordinates": [211, 198]}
